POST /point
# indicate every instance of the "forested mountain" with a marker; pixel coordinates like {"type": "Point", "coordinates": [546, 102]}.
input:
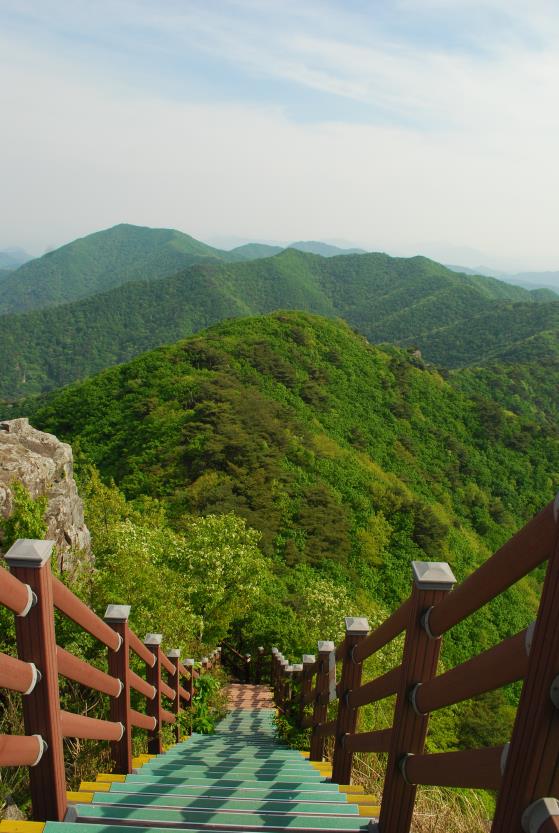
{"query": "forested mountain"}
{"type": "Point", "coordinates": [12, 258]}
{"type": "Point", "coordinates": [412, 300]}
{"type": "Point", "coordinates": [316, 247]}
{"type": "Point", "coordinates": [252, 251]}
{"type": "Point", "coordinates": [101, 261]}
{"type": "Point", "coordinates": [351, 460]}
{"type": "Point", "coordinates": [510, 332]}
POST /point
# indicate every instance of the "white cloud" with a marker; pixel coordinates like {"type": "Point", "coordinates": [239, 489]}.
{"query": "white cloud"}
{"type": "Point", "coordinates": [84, 146]}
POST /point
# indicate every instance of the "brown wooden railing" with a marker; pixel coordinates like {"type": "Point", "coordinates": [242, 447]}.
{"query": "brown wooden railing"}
{"type": "Point", "coordinates": [524, 772]}
{"type": "Point", "coordinates": [31, 591]}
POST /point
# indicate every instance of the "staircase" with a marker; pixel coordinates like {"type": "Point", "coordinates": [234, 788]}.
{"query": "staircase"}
{"type": "Point", "coordinates": [240, 778]}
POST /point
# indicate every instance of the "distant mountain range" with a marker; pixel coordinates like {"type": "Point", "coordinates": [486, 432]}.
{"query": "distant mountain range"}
{"type": "Point", "coordinates": [529, 280]}
{"type": "Point", "coordinates": [12, 258]}
{"type": "Point", "coordinates": [409, 301]}
{"type": "Point", "coordinates": [115, 256]}
{"type": "Point", "coordinates": [348, 458]}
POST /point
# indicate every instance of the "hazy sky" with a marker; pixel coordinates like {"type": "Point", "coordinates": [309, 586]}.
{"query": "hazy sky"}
{"type": "Point", "coordinates": [400, 125]}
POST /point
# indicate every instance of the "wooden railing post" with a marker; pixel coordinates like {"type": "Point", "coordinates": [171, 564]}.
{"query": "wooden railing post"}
{"type": "Point", "coordinates": [326, 664]}
{"type": "Point", "coordinates": [121, 750]}
{"type": "Point", "coordinates": [205, 663]}
{"type": "Point", "coordinates": [29, 561]}
{"type": "Point", "coordinates": [432, 581]}
{"type": "Point", "coordinates": [153, 707]}
{"type": "Point", "coordinates": [280, 682]}
{"type": "Point", "coordinates": [306, 684]}
{"type": "Point", "coordinates": [248, 660]}
{"type": "Point", "coordinates": [189, 665]}
{"type": "Point", "coordinates": [174, 681]}
{"type": "Point", "coordinates": [277, 675]}
{"type": "Point", "coordinates": [356, 629]}
{"type": "Point", "coordinates": [532, 766]}
{"type": "Point", "coordinates": [258, 666]}
{"type": "Point", "coordinates": [295, 687]}
{"type": "Point", "coordinates": [273, 669]}
{"type": "Point", "coordinates": [287, 688]}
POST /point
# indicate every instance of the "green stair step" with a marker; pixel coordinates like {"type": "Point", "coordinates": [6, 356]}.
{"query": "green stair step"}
{"type": "Point", "coordinates": [228, 792]}
{"type": "Point", "coordinates": [224, 768]}
{"type": "Point", "coordinates": [217, 775]}
{"type": "Point", "coordinates": [221, 804]}
{"type": "Point", "coordinates": [148, 817]}
{"type": "Point", "coordinates": [292, 784]}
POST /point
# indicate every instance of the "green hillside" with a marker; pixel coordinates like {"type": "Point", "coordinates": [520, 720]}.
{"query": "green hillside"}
{"type": "Point", "coordinates": [350, 460]}
{"type": "Point", "coordinates": [99, 262]}
{"type": "Point", "coordinates": [316, 247]}
{"type": "Point", "coordinates": [387, 299]}
{"type": "Point", "coordinates": [510, 332]}
{"type": "Point", "coordinates": [252, 251]}
{"type": "Point", "coordinates": [12, 258]}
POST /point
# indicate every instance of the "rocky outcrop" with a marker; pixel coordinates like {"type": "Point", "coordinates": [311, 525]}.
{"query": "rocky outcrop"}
{"type": "Point", "coordinates": [45, 466]}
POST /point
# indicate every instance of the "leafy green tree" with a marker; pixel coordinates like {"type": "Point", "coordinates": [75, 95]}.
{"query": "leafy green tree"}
{"type": "Point", "coordinates": [27, 518]}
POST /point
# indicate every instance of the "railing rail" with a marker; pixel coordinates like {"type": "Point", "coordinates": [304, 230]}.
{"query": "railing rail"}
{"type": "Point", "coordinates": [524, 772]}
{"type": "Point", "coordinates": [32, 593]}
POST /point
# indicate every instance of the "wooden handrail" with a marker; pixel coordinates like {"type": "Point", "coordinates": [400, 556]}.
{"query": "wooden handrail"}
{"type": "Point", "coordinates": [324, 730]}
{"type": "Point", "coordinates": [142, 721]}
{"type": "Point", "coordinates": [168, 665]}
{"type": "Point", "coordinates": [385, 633]}
{"type": "Point", "coordinates": [506, 663]}
{"type": "Point", "coordinates": [14, 594]}
{"type": "Point", "coordinates": [167, 691]}
{"type": "Point", "coordinates": [523, 775]}
{"type": "Point", "coordinates": [378, 741]}
{"type": "Point", "coordinates": [32, 593]}
{"type": "Point", "coordinates": [72, 607]}
{"type": "Point", "coordinates": [184, 694]}
{"type": "Point", "coordinates": [80, 726]}
{"type": "Point", "coordinates": [377, 689]}
{"type": "Point", "coordinates": [17, 675]}
{"type": "Point", "coordinates": [529, 548]}
{"type": "Point", "coordinates": [140, 650]}
{"type": "Point", "coordinates": [20, 750]}
{"type": "Point", "coordinates": [140, 685]}
{"type": "Point", "coordinates": [82, 672]}
{"type": "Point", "coordinates": [477, 768]}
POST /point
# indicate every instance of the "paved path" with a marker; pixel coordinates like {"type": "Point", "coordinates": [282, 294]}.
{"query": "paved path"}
{"type": "Point", "coordinates": [238, 779]}
{"type": "Point", "coordinates": [241, 696]}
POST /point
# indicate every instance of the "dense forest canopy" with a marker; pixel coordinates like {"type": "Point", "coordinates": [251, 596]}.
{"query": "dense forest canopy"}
{"type": "Point", "coordinates": [456, 320]}
{"type": "Point", "coordinates": [350, 460]}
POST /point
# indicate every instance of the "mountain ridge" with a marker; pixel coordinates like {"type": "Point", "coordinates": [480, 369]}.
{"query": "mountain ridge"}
{"type": "Point", "coordinates": [386, 299]}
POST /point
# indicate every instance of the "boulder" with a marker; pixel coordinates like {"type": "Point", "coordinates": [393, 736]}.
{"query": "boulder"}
{"type": "Point", "coordinates": [45, 466]}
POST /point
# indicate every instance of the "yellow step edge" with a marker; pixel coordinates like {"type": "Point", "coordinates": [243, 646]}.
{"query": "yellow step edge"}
{"type": "Point", "coordinates": [350, 788]}
{"type": "Point", "coordinates": [95, 786]}
{"type": "Point", "coordinates": [137, 763]}
{"type": "Point", "coordinates": [110, 777]}
{"type": "Point", "coordinates": [360, 798]}
{"type": "Point", "coordinates": [369, 810]}
{"type": "Point", "coordinates": [14, 826]}
{"type": "Point", "coordinates": [79, 797]}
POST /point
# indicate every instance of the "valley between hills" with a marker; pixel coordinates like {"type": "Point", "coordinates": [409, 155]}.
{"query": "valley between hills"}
{"type": "Point", "coordinates": [347, 413]}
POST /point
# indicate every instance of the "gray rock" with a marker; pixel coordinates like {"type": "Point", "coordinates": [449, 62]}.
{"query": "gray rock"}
{"type": "Point", "coordinates": [45, 466]}
{"type": "Point", "coordinates": [12, 811]}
